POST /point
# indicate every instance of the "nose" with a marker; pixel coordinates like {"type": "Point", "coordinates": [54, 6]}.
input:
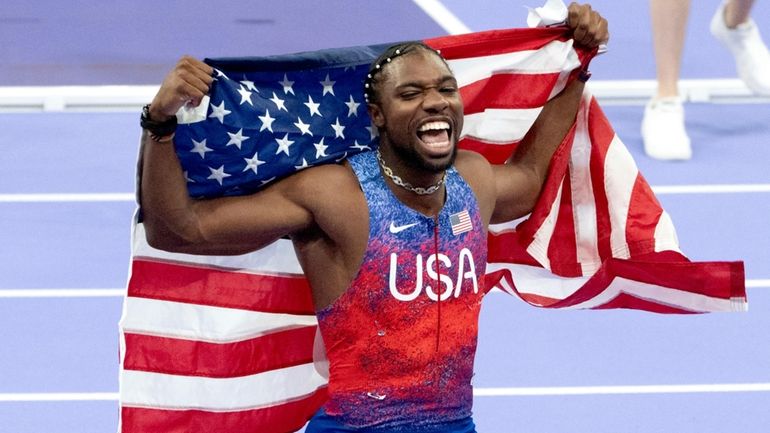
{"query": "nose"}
{"type": "Point", "coordinates": [434, 101]}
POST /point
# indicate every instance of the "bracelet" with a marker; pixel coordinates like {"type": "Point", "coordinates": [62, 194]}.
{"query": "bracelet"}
{"type": "Point", "coordinates": [584, 75]}
{"type": "Point", "coordinates": [161, 132]}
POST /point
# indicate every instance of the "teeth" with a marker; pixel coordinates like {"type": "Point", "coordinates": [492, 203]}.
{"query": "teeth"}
{"type": "Point", "coordinates": [433, 126]}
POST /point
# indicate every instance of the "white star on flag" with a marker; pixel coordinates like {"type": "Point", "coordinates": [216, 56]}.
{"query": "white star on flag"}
{"type": "Point", "coordinates": [283, 145]}
{"type": "Point", "coordinates": [200, 148]}
{"type": "Point", "coordinates": [320, 148]}
{"type": "Point", "coordinates": [303, 127]}
{"type": "Point", "coordinates": [352, 106]}
{"type": "Point", "coordinates": [338, 129]}
{"type": "Point", "coordinates": [218, 174]}
{"type": "Point", "coordinates": [328, 86]}
{"type": "Point", "coordinates": [267, 122]}
{"type": "Point", "coordinates": [219, 111]}
{"type": "Point", "coordinates": [278, 102]}
{"type": "Point", "coordinates": [373, 132]}
{"type": "Point", "coordinates": [245, 96]}
{"type": "Point", "coordinates": [221, 74]}
{"type": "Point", "coordinates": [253, 163]}
{"type": "Point", "coordinates": [287, 85]}
{"type": "Point", "coordinates": [304, 165]}
{"type": "Point", "coordinates": [360, 147]}
{"type": "Point", "coordinates": [237, 138]}
{"type": "Point", "coordinates": [250, 85]}
{"type": "Point", "coordinates": [312, 106]}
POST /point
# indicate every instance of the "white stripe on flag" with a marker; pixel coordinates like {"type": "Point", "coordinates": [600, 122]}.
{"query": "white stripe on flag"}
{"type": "Point", "coordinates": [538, 249]}
{"type": "Point", "coordinates": [538, 281]}
{"type": "Point", "coordinates": [660, 295]}
{"type": "Point", "coordinates": [144, 389]}
{"type": "Point", "coordinates": [620, 175]}
{"type": "Point", "coordinates": [276, 258]}
{"type": "Point", "coordinates": [500, 126]}
{"type": "Point", "coordinates": [555, 57]}
{"type": "Point", "coordinates": [204, 323]}
{"type": "Point", "coordinates": [665, 234]}
{"type": "Point", "coordinates": [583, 200]}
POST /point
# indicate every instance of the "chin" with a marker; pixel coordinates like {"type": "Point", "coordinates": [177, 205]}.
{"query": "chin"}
{"type": "Point", "coordinates": [434, 164]}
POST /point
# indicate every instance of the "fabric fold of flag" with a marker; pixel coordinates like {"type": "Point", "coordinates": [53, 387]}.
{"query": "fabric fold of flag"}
{"type": "Point", "coordinates": [227, 344]}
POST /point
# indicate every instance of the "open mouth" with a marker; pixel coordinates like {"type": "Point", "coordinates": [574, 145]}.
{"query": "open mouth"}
{"type": "Point", "coordinates": [435, 135]}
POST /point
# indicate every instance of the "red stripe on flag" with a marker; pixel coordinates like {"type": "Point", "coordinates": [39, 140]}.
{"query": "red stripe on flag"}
{"type": "Point", "coordinates": [495, 153]}
{"type": "Point", "coordinates": [600, 143]}
{"type": "Point", "coordinates": [721, 280]}
{"type": "Point", "coordinates": [601, 135]}
{"type": "Point", "coordinates": [644, 212]}
{"type": "Point", "coordinates": [508, 91]}
{"type": "Point", "coordinates": [627, 301]}
{"type": "Point", "coordinates": [284, 417]}
{"type": "Point", "coordinates": [562, 248]}
{"type": "Point", "coordinates": [198, 358]}
{"type": "Point", "coordinates": [220, 288]}
{"type": "Point", "coordinates": [557, 170]}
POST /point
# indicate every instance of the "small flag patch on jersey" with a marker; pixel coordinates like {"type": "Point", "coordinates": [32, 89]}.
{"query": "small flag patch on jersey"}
{"type": "Point", "coordinates": [461, 222]}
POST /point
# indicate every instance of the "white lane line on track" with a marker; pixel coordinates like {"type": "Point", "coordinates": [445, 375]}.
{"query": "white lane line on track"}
{"type": "Point", "coordinates": [61, 293]}
{"type": "Point", "coordinates": [130, 196]}
{"type": "Point", "coordinates": [67, 197]}
{"type": "Point", "coordinates": [635, 389]}
{"type": "Point", "coordinates": [711, 189]}
{"type": "Point", "coordinates": [114, 293]}
{"type": "Point", "coordinates": [443, 16]}
{"type": "Point", "coordinates": [59, 396]}
{"type": "Point", "coordinates": [477, 392]}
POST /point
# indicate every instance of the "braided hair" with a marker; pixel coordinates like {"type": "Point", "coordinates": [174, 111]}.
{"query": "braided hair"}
{"type": "Point", "coordinates": [370, 82]}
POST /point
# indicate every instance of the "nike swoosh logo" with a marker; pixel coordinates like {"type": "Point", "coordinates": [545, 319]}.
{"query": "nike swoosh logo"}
{"type": "Point", "coordinates": [398, 229]}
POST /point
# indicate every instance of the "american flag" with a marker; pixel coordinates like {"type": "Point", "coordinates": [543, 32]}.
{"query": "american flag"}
{"type": "Point", "coordinates": [461, 222]}
{"type": "Point", "coordinates": [226, 344]}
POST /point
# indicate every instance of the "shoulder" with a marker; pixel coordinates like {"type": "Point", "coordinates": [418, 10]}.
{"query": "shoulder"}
{"type": "Point", "coordinates": [472, 161]}
{"type": "Point", "coordinates": [475, 169]}
{"type": "Point", "coordinates": [319, 181]}
{"type": "Point", "coordinates": [478, 173]}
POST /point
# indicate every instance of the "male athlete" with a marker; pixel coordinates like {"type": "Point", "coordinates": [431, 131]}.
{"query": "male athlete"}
{"type": "Point", "coordinates": [392, 242]}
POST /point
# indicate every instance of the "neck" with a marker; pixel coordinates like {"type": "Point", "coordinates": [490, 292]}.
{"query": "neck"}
{"type": "Point", "coordinates": [426, 197]}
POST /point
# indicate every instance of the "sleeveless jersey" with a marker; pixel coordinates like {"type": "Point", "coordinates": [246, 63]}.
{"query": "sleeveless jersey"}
{"type": "Point", "coordinates": [401, 339]}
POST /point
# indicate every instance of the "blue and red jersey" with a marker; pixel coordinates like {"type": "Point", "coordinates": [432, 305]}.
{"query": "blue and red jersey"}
{"type": "Point", "coordinates": [401, 339]}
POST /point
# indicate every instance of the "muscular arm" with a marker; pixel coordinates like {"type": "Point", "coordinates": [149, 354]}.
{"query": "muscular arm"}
{"type": "Point", "coordinates": [231, 225]}
{"type": "Point", "coordinates": [519, 181]}
{"type": "Point", "coordinates": [228, 225]}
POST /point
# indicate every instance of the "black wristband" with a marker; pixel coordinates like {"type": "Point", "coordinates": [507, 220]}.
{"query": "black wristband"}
{"type": "Point", "coordinates": [157, 130]}
{"type": "Point", "coordinates": [584, 75]}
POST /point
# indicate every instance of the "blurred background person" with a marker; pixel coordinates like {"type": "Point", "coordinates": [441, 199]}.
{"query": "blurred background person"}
{"type": "Point", "coordinates": [663, 127]}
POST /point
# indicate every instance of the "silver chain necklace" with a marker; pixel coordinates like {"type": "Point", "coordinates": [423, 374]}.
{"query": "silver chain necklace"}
{"type": "Point", "coordinates": [406, 185]}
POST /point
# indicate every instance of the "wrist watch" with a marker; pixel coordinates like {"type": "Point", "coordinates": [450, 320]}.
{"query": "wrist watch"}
{"type": "Point", "coordinates": [157, 130]}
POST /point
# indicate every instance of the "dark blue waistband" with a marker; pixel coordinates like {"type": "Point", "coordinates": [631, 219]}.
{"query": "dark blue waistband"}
{"type": "Point", "coordinates": [324, 423]}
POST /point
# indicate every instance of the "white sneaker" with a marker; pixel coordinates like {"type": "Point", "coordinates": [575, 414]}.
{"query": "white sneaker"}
{"type": "Point", "coordinates": [663, 130]}
{"type": "Point", "coordinates": [745, 43]}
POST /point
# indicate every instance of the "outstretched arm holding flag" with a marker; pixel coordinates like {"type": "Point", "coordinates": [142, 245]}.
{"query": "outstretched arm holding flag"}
{"type": "Point", "coordinates": [392, 242]}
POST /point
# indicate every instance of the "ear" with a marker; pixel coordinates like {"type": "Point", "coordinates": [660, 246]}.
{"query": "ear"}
{"type": "Point", "coordinates": [375, 113]}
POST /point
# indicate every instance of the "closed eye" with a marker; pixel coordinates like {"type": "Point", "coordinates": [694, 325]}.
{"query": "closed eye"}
{"type": "Point", "coordinates": [409, 95]}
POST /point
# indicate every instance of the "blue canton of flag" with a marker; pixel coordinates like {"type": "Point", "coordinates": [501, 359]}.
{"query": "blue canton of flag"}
{"type": "Point", "coordinates": [270, 117]}
{"type": "Point", "coordinates": [460, 222]}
